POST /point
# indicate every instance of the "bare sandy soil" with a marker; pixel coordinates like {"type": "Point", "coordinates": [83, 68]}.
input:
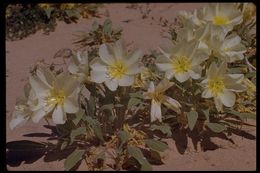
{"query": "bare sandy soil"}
{"type": "Point", "coordinates": [219, 153]}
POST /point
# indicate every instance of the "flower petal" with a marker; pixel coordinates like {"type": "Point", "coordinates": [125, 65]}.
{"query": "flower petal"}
{"type": "Point", "coordinates": [218, 104]}
{"type": "Point", "coordinates": [71, 105]}
{"type": "Point", "coordinates": [105, 54]}
{"type": "Point", "coordinates": [134, 57]}
{"type": "Point", "coordinates": [58, 115]}
{"type": "Point", "coordinates": [173, 104]}
{"type": "Point", "coordinates": [163, 66]}
{"type": "Point", "coordinates": [98, 76]}
{"type": "Point", "coordinates": [181, 77]}
{"type": "Point", "coordinates": [156, 112]}
{"type": "Point", "coordinates": [39, 114]}
{"type": "Point", "coordinates": [111, 84]}
{"type": "Point", "coordinates": [206, 94]}
{"type": "Point", "coordinates": [126, 80]}
{"type": "Point", "coordinates": [228, 98]}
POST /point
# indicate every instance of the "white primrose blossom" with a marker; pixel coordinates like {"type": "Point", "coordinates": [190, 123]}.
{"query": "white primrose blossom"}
{"type": "Point", "coordinates": [229, 49]}
{"type": "Point", "coordinates": [158, 98]}
{"type": "Point", "coordinates": [56, 95]}
{"type": "Point", "coordinates": [220, 85]}
{"type": "Point", "coordinates": [79, 65]}
{"type": "Point", "coordinates": [223, 15]}
{"type": "Point", "coordinates": [182, 61]}
{"type": "Point", "coordinates": [115, 67]}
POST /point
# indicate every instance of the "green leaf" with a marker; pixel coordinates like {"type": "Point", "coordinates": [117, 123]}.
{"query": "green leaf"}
{"type": "Point", "coordinates": [94, 26]}
{"type": "Point", "coordinates": [64, 145]}
{"type": "Point", "coordinates": [133, 101]}
{"type": "Point", "coordinates": [76, 132]}
{"type": "Point", "coordinates": [164, 128]}
{"type": "Point", "coordinates": [123, 135]}
{"type": "Point", "coordinates": [192, 117]}
{"type": "Point", "coordinates": [244, 115]}
{"type": "Point", "coordinates": [79, 116]}
{"type": "Point", "coordinates": [107, 27]}
{"type": "Point", "coordinates": [136, 94]}
{"type": "Point", "coordinates": [107, 107]}
{"type": "Point", "coordinates": [95, 125]}
{"type": "Point", "coordinates": [217, 128]}
{"type": "Point", "coordinates": [73, 159]}
{"type": "Point", "coordinates": [138, 155]}
{"type": "Point", "coordinates": [91, 105]}
{"type": "Point", "coordinates": [206, 113]}
{"type": "Point", "coordinates": [156, 145]}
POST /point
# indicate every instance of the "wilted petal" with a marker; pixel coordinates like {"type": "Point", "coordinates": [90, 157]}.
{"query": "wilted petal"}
{"type": "Point", "coordinates": [173, 104]}
{"type": "Point", "coordinates": [169, 74]}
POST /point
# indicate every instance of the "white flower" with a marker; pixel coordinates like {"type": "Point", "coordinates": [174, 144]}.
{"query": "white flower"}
{"type": "Point", "coordinates": [56, 95]}
{"type": "Point", "coordinates": [182, 61]}
{"type": "Point", "coordinates": [224, 15]}
{"type": "Point", "coordinates": [158, 98]}
{"type": "Point", "coordinates": [22, 112]}
{"type": "Point", "coordinates": [229, 49]}
{"type": "Point", "coordinates": [115, 67]}
{"type": "Point", "coordinates": [220, 85]}
{"type": "Point", "coordinates": [79, 65]}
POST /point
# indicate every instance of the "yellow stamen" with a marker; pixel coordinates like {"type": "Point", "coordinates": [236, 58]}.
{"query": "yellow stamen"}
{"type": "Point", "coordinates": [181, 64]}
{"type": "Point", "coordinates": [216, 85]}
{"type": "Point", "coordinates": [117, 70]}
{"type": "Point", "coordinates": [220, 20]}
{"type": "Point", "coordinates": [158, 97]}
{"type": "Point", "coordinates": [56, 97]}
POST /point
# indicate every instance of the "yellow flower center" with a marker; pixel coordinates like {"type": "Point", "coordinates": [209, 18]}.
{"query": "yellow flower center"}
{"type": "Point", "coordinates": [220, 20]}
{"type": "Point", "coordinates": [216, 85]}
{"type": "Point", "coordinates": [56, 97]}
{"type": "Point", "coordinates": [117, 70]}
{"type": "Point", "coordinates": [181, 64]}
{"type": "Point", "coordinates": [157, 96]}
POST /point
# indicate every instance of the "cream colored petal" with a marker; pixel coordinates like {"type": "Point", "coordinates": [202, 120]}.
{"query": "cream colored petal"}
{"type": "Point", "coordinates": [195, 73]}
{"type": "Point", "coordinates": [182, 77]}
{"type": "Point", "coordinates": [58, 115]}
{"type": "Point", "coordinates": [39, 114]}
{"type": "Point", "coordinates": [98, 76]}
{"type": "Point", "coordinates": [206, 94]}
{"type": "Point", "coordinates": [46, 76]}
{"type": "Point", "coordinates": [134, 69]}
{"type": "Point", "coordinates": [163, 66]}
{"type": "Point", "coordinates": [71, 105]}
{"type": "Point", "coordinates": [167, 55]}
{"type": "Point", "coordinates": [119, 49]}
{"type": "Point", "coordinates": [156, 113]}
{"type": "Point", "coordinates": [105, 55]}
{"type": "Point", "coordinates": [222, 68]}
{"type": "Point", "coordinates": [38, 86]}
{"type": "Point", "coordinates": [151, 87]}
{"type": "Point", "coordinates": [126, 80]}
{"type": "Point", "coordinates": [134, 57]}
{"type": "Point", "coordinates": [218, 104]}
{"type": "Point", "coordinates": [228, 98]}
{"type": "Point", "coordinates": [18, 121]}
{"type": "Point", "coordinates": [238, 77]}
{"type": "Point", "coordinates": [169, 74]}
{"type": "Point", "coordinates": [97, 66]}
{"type": "Point", "coordinates": [173, 104]}
{"type": "Point", "coordinates": [111, 84]}
{"type": "Point", "coordinates": [212, 71]}
{"type": "Point", "coordinates": [73, 68]}
{"type": "Point", "coordinates": [164, 85]}
{"type": "Point", "coordinates": [70, 86]}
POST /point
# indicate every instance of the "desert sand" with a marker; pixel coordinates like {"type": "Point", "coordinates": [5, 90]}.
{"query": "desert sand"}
{"type": "Point", "coordinates": [220, 154]}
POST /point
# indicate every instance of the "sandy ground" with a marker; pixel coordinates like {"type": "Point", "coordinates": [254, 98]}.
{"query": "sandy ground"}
{"type": "Point", "coordinates": [146, 34]}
